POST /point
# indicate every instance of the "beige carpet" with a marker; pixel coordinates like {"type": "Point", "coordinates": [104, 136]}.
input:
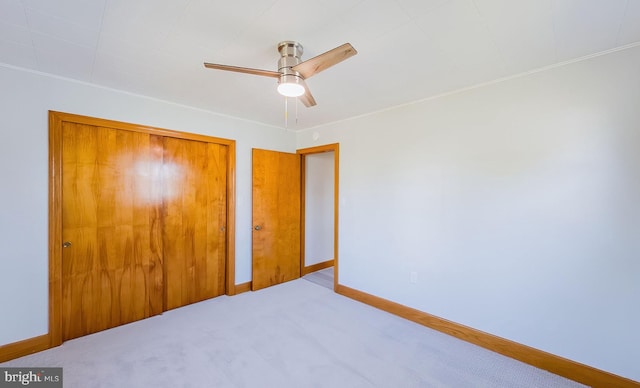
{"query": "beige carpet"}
{"type": "Point", "coordinates": [297, 334]}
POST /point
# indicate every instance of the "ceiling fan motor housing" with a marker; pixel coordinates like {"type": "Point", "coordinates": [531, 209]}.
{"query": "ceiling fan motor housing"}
{"type": "Point", "coordinates": [290, 52]}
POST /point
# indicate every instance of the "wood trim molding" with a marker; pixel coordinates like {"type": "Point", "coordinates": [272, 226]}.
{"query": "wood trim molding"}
{"type": "Point", "coordinates": [230, 265]}
{"type": "Point", "coordinates": [55, 228]}
{"type": "Point", "coordinates": [303, 211]}
{"type": "Point", "coordinates": [317, 267]}
{"type": "Point", "coordinates": [555, 364]}
{"type": "Point", "coordinates": [336, 196]}
{"type": "Point", "coordinates": [335, 147]}
{"type": "Point", "coordinates": [24, 347]}
{"type": "Point", "coordinates": [318, 149]}
{"type": "Point", "coordinates": [242, 287]}
{"type": "Point", "coordinates": [98, 122]}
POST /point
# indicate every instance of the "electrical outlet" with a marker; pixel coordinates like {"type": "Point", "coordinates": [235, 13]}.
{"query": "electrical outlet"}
{"type": "Point", "coordinates": [413, 277]}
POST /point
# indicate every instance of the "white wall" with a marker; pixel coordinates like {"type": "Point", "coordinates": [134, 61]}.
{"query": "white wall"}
{"type": "Point", "coordinates": [517, 204]}
{"type": "Point", "coordinates": [319, 207]}
{"type": "Point", "coordinates": [25, 99]}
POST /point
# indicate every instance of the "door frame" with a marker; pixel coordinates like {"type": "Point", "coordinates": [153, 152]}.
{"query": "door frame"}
{"type": "Point", "coordinates": [303, 152]}
{"type": "Point", "coordinates": [56, 120]}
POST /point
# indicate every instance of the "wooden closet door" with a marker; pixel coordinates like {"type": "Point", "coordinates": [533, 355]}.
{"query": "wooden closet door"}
{"type": "Point", "coordinates": [111, 264]}
{"type": "Point", "coordinates": [194, 209]}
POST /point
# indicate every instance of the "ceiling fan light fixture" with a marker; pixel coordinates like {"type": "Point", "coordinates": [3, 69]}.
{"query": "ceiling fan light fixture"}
{"type": "Point", "coordinates": [292, 71]}
{"type": "Point", "coordinates": [291, 86]}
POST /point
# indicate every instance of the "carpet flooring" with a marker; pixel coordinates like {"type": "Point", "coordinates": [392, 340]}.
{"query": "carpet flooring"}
{"type": "Point", "coordinates": [297, 334]}
{"type": "Point", "coordinates": [323, 278]}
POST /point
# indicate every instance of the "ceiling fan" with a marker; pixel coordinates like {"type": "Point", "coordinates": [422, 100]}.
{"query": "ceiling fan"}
{"type": "Point", "coordinates": [292, 71]}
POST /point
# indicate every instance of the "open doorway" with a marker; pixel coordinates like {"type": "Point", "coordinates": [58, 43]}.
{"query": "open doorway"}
{"type": "Point", "coordinates": [319, 242]}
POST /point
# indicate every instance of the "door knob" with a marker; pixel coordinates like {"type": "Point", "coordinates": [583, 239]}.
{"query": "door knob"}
{"type": "Point", "coordinates": [257, 227]}
{"type": "Point", "coordinates": [66, 244]}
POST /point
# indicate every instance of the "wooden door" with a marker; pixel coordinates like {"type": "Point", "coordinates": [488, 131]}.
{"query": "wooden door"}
{"type": "Point", "coordinates": [276, 218]}
{"type": "Point", "coordinates": [111, 264]}
{"type": "Point", "coordinates": [195, 216]}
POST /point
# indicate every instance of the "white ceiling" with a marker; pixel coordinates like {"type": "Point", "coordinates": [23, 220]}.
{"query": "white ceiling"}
{"type": "Point", "coordinates": [407, 49]}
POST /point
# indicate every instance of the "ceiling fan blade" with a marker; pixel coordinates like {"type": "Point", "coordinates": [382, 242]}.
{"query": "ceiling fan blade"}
{"type": "Point", "coordinates": [307, 98]}
{"type": "Point", "coordinates": [246, 70]}
{"type": "Point", "coordinates": [324, 61]}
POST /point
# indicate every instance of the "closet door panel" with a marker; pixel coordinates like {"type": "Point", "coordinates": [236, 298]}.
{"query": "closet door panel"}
{"type": "Point", "coordinates": [108, 215]}
{"type": "Point", "coordinates": [194, 222]}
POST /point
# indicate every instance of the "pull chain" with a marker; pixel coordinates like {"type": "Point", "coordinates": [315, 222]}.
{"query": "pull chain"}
{"type": "Point", "coordinates": [286, 113]}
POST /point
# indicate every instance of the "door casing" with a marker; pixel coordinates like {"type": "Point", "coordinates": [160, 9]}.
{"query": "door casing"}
{"type": "Point", "coordinates": [303, 152]}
